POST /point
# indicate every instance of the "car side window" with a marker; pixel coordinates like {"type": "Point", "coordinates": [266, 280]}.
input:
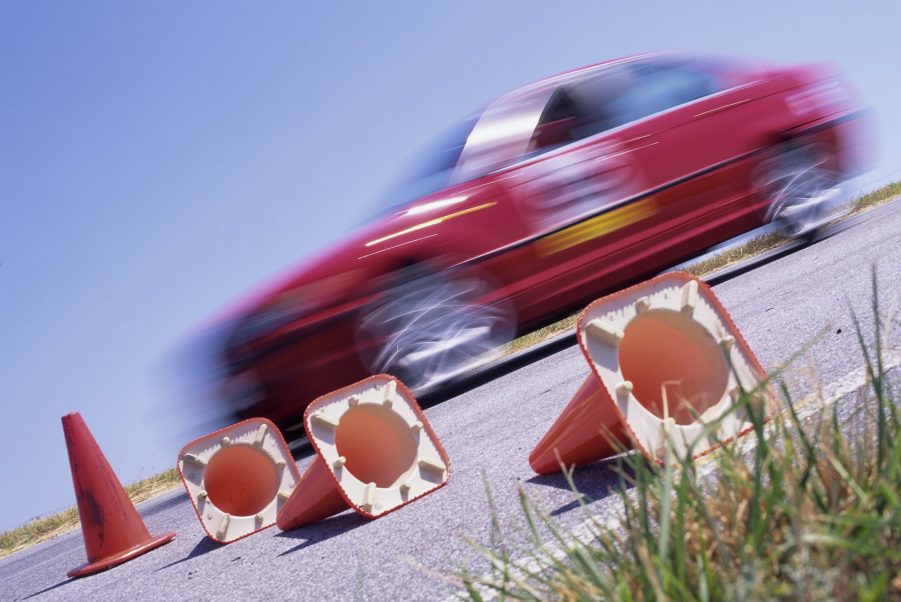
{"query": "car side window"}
{"type": "Point", "coordinates": [615, 96]}
{"type": "Point", "coordinates": [656, 87]}
{"type": "Point", "coordinates": [558, 123]}
{"type": "Point", "coordinates": [578, 109]}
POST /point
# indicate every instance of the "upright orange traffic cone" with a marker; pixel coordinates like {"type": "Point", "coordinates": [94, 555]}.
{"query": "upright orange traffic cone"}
{"type": "Point", "coordinates": [112, 529]}
{"type": "Point", "coordinates": [667, 367]}
{"type": "Point", "coordinates": [375, 452]}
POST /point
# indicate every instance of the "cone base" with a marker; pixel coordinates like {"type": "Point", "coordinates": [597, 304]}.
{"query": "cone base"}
{"type": "Point", "coordinates": [122, 557]}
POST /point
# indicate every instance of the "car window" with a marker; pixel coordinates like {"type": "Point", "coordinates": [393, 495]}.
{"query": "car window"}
{"type": "Point", "coordinates": [503, 132]}
{"type": "Point", "coordinates": [656, 87]}
{"type": "Point", "coordinates": [616, 95]}
{"type": "Point", "coordinates": [538, 119]}
{"type": "Point", "coordinates": [577, 109]}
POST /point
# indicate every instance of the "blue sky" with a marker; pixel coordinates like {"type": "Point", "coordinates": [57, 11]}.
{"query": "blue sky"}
{"type": "Point", "coordinates": [158, 160]}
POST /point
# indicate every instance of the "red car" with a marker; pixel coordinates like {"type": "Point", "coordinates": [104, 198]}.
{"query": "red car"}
{"type": "Point", "coordinates": [551, 195]}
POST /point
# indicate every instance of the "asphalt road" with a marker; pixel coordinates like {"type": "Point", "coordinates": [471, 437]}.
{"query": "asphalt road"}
{"type": "Point", "coordinates": [798, 299]}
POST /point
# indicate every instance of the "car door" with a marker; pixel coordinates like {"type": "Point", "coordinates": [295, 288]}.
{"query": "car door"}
{"type": "Point", "coordinates": [709, 132]}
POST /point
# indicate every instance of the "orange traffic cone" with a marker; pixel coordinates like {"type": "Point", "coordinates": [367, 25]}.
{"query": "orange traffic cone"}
{"type": "Point", "coordinates": [375, 452]}
{"type": "Point", "coordinates": [667, 366]}
{"type": "Point", "coordinates": [238, 478]}
{"type": "Point", "coordinates": [321, 498]}
{"type": "Point", "coordinates": [111, 527]}
{"type": "Point", "coordinates": [586, 431]}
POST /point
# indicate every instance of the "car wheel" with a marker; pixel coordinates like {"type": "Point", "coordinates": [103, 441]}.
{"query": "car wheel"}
{"type": "Point", "coordinates": [804, 194]}
{"type": "Point", "coordinates": [433, 327]}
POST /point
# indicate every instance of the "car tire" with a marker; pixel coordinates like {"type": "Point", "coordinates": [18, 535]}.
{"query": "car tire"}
{"type": "Point", "coordinates": [804, 194]}
{"type": "Point", "coordinates": [432, 327]}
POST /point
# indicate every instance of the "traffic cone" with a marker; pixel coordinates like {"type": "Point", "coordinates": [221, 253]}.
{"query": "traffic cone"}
{"type": "Point", "coordinates": [238, 477]}
{"type": "Point", "coordinates": [667, 365]}
{"type": "Point", "coordinates": [375, 452]}
{"type": "Point", "coordinates": [111, 527]}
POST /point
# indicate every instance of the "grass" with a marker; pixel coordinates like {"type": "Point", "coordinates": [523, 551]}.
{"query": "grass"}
{"type": "Point", "coordinates": [535, 337]}
{"type": "Point", "coordinates": [756, 246]}
{"type": "Point", "coordinates": [47, 527]}
{"type": "Point", "coordinates": [805, 508]}
{"type": "Point", "coordinates": [876, 197]}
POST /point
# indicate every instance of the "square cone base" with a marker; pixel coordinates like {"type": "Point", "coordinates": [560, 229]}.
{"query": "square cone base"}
{"type": "Point", "coordinates": [238, 478]}
{"type": "Point", "coordinates": [667, 367]}
{"type": "Point", "coordinates": [376, 452]}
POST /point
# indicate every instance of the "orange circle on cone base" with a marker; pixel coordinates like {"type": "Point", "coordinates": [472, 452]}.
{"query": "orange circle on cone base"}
{"type": "Point", "coordinates": [665, 350]}
{"type": "Point", "coordinates": [377, 444]}
{"type": "Point", "coordinates": [241, 480]}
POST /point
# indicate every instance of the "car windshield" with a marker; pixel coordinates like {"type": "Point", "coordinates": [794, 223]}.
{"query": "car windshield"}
{"type": "Point", "coordinates": [432, 170]}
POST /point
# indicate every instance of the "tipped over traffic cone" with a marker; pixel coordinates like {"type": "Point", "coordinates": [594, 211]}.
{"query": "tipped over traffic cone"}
{"type": "Point", "coordinates": [667, 365]}
{"type": "Point", "coordinates": [375, 452]}
{"type": "Point", "coordinates": [238, 477]}
{"type": "Point", "coordinates": [111, 527]}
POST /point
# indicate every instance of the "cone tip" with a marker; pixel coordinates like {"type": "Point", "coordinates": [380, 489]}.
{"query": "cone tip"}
{"type": "Point", "coordinates": [72, 422]}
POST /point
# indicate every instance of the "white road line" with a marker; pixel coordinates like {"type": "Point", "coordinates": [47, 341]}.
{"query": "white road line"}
{"type": "Point", "coordinates": [849, 383]}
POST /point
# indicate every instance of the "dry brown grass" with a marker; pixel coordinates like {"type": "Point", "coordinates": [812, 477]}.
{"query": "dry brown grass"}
{"type": "Point", "coordinates": [754, 247]}
{"type": "Point", "coordinates": [539, 336]}
{"type": "Point", "coordinates": [877, 197]}
{"type": "Point", "coordinates": [42, 529]}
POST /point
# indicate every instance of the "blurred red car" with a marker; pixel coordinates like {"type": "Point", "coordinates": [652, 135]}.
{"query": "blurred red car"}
{"type": "Point", "coordinates": [548, 197]}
